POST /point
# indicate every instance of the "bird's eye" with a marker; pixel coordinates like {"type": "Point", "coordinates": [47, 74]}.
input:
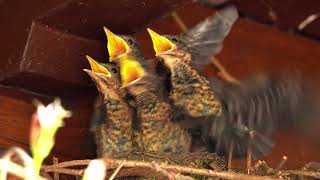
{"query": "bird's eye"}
{"type": "Point", "coordinates": [130, 42]}
{"type": "Point", "coordinates": [175, 40]}
{"type": "Point", "coordinates": [114, 70]}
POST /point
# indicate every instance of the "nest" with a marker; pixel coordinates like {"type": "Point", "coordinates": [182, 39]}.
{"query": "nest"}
{"type": "Point", "coordinates": [199, 165]}
{"type": "Point", "coordinates": [148, 165]}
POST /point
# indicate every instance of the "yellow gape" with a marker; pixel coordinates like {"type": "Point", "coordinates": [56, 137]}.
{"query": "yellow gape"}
{"type": "Point", "coordinates": [130, 70]}
{"type": "Point", "coordinates": [96, 67]}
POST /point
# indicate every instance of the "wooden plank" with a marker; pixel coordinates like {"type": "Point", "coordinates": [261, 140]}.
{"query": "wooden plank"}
{"type": "Point", "coordinates": [46, 42]}
{"type": "Point", "coordinates": [55, 57]}
{"type": "Point", "coordinates": [285, 14]}
{"type": "Point", "coordinates": [86, 18]}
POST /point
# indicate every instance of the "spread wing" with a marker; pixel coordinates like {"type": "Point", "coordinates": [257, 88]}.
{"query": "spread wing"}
{"type": "Point", "coordinates": [206, 38]}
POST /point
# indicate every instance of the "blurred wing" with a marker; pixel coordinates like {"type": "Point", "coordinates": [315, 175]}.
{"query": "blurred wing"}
{"type": "Point", "coordinates": [206, 38]}
{"type": "Point", "coordinates": [261, 104]}
{"type": "Point", "coordinates": [217, 85]}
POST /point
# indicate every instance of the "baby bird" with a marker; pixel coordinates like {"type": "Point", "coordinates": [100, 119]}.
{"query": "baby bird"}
{"type": "Point", "coordinates": [99, 113]}
{"type": "Point", "coordinates": [115, 134]}
{"type": "Point", "coordinates": [201, 42]}
{"type": "Point", "coordinates": [156, 132]}
{"type": "Point", "coordinates": [117, 46]}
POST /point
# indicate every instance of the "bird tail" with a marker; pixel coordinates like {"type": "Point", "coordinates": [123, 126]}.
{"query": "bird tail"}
{"type": "Point", "coordinates": [256, 108]}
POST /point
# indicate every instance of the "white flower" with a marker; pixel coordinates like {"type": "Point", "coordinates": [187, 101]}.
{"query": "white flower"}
{"type": "Point", "coordinates": [52, 115]}
{"type": "Point", "coordinates": [96, 170]}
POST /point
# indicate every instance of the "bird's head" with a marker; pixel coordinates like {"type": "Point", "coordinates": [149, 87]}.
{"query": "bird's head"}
{"type": "Point", "coordinates": [105, 76]}
{"type": "Point", "coordinates": [169, 49]}
{"type": "Point", "coordinates": [121, 45]}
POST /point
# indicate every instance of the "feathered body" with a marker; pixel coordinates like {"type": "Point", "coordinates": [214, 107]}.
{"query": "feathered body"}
{"type": "Point", "coordinates": [99, 109]}
{"type": "Point", "coordinates": [189, 90]}
{"type": "Point", "coordinates": [114, 134]}
{"type": "Point", "coordinates": [155, 131]}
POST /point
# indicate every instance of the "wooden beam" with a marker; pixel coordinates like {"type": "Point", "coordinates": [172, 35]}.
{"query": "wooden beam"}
{"type": "Point", "coordinates": [47, 42]}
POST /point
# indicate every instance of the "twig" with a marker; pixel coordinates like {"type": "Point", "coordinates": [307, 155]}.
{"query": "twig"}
{"type": "Point", "coordinates": [174, 168]}
{"type": "Point", "coordinates": [157, 167]}
{"type": "Point", "coordinates": [268, 168]}
{"type": "Point", "coordinates": [313, 165]}
{"type": "Point", "coordinates": [230, 153]}
{"type": "Point", "coordinates": [69, 163]}
{"type": "Point", "coordinates": [223, 73]}
{"type": "Point", "coordinates": [282, 162]}
{"type": "Point", "coordinates": [308, 20]}
{"type": "Point", "coordinates": [249, 152]}
{"type": "Point", "coordinates": [257, 165]}
{"type": "Point", "coordinates": [271, 12]}
{"type": "Point", "coordinates": [45, 175]}
{"type": "Point", "coordinates": [293, 172]}
{"type": "Point", "coordinates": [55, 175]}
{"type": "Point", "coordinates": [61, 170]}
{"type": "Point", "coordinates": [179, 21]}
{"type": "Point", "coordinates": [303, 173]}
{"type": "Point", "coordinates": [116, 171]}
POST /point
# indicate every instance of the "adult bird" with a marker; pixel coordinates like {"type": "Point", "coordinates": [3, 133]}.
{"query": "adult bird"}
{"type": "Point", "coordinates": [235, 112]}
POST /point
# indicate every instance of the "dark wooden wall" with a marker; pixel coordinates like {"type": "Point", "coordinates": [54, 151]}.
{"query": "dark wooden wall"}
{"type": "Point", "coordinates": [250, 48]}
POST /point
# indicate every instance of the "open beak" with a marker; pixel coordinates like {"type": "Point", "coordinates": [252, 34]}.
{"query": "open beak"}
{"type": "Point", "coordinates": [92, 74]}
{"type": "Point", "coordinates": [96, 67]}
{"type": "Point", "coordinates": [130, 70]}
{"type": "Point", "coordinates": [116, 45]}
{"type": "Point", "coordinates": [160, 44]}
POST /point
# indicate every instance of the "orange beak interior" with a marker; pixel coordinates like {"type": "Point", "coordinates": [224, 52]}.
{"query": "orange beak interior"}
{"type": "Point", "coordinates": [96, 67]}
{"type": "Point", "coordinates": [160, 43]}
